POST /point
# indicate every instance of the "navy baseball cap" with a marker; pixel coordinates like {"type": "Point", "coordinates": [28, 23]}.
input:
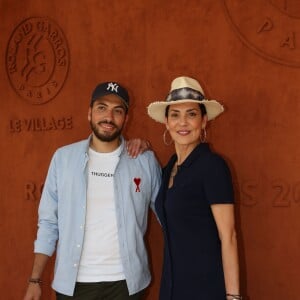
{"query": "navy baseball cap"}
{"type": "Point", "coordinates": [107, 88]}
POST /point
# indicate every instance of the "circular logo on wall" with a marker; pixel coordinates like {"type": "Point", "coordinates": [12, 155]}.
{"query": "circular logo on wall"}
{"type": "Point", "coordinates": [270, 28]}
{"type": "Point", "coordinates": [37, 59]}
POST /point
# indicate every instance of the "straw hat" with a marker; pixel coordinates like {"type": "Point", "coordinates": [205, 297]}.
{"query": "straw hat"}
{"type": "Point", "coordinates": [184, 89]}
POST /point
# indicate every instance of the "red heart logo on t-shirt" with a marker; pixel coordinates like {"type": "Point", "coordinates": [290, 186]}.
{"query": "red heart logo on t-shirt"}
{"type": "Point", "coordinates": [137, 182]}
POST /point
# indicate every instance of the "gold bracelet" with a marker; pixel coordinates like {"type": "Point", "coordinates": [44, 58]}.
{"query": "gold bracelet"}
{"type": "Point", "coordinates": [234, 297]}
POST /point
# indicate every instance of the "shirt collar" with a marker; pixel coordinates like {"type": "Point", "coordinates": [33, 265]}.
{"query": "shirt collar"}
{"type": "Point", "coordinates": [122, 145]}
{"type": "Point", "coordinates": [200, 149]}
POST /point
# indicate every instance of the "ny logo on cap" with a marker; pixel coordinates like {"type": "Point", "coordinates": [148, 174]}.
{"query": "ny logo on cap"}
{"type": "Point", "coordinates": [113, 87]}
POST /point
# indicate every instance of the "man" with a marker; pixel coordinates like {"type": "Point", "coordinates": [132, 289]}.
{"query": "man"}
{"type": "Point", "coordinates": [94, 206]}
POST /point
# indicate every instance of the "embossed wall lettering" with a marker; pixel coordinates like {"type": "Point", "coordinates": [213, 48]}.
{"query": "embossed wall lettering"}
{"type": "Point", "coordinates": [37, 59]}
{"type": "Point", "coordinates": [289, 7]}
{"type": "Point", "coordinates": [282, 191]}
{"type": "Point", "coordinates": [267, 25]}
{"type": "Point", "coordinates": [278, 193]}
{"type": "Point", "coordinates": [249, 195]}
{"type": "Point", "coordinates": [40, 124]}
{"type": "Point", "coordinates": [270, 28]}
{"type": "Point", "coordinates": [289, 41]}
{"type": "Point", "coordinates": [33, 191]}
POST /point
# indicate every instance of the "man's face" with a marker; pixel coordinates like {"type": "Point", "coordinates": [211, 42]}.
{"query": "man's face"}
{"type": "Point", "coordinates": [107, 117]}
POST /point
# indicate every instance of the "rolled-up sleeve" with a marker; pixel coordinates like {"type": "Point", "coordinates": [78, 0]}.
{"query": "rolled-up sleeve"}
{"type": "Point", "coordinates": [47, 234]}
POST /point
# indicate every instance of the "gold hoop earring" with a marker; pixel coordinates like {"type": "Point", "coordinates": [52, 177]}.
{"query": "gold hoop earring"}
{"type": "Point", "coordinates": [165, 138]}
{"type": "Point", "coordinates": [203, 136]}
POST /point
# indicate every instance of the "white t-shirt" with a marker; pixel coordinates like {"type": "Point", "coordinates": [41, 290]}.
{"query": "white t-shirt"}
{"type": "Point", "coordinates": [100, 260]}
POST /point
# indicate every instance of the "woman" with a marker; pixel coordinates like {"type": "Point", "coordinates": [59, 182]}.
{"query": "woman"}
{"type": "Point", "coordinates": [195, 202]}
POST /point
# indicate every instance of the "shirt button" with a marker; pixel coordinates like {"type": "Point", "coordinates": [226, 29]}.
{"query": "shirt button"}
{"type": "Point", "coordinates": [81, 226]}
{"type": "Point", "coordinates": [78, 246]}
{"type": "Point", "coordinates": [75, 265]}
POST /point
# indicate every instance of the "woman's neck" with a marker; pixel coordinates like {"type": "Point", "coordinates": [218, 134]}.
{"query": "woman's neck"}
{"type": "Point", "coordinates": [183, 151]}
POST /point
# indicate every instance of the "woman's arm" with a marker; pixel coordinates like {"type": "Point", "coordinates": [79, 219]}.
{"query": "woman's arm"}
{"type": "Point", "coordinates": [224, 218]}
{"type": "Point", "coordinates": [137, 146]}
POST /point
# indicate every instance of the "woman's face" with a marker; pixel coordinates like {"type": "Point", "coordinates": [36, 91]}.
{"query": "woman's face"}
{"type": "Point", "coordinates": [185, 122]}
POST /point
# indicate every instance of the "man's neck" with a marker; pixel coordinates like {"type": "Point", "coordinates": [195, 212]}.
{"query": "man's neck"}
{"type": "Point", "coordinates": [104, 147]}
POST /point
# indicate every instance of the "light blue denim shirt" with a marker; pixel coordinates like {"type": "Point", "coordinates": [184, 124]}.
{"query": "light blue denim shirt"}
{"type": "Point", "coordinates": [62, 213]}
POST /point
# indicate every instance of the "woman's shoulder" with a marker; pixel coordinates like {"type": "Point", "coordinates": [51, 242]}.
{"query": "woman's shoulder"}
{"type": "Point", "coordinates": [213, 160]}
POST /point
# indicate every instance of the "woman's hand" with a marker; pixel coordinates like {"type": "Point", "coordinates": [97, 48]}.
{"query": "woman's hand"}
{"type": "Point", "coordinates": [137, 146]}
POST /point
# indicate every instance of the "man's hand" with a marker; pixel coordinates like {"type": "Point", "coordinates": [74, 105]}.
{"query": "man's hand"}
{"type": "Point", "coordinates": [34, 292]}
{"type": "Point", "coordinates": [137, 146]}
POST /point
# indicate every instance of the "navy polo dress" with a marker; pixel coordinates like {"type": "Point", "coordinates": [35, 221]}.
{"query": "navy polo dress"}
{"type": "Point", "coordinates": [192, 267]}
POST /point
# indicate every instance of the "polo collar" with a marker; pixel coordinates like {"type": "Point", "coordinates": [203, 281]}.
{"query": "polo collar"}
{"type": "Point", "coordinates": [199, 150]}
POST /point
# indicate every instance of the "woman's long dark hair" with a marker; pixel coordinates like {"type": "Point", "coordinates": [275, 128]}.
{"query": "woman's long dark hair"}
{"type": "Point", "coordinates": [201, 105]}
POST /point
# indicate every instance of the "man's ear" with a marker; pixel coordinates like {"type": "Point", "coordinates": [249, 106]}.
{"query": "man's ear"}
{"type": "Point", "coordinates": [126, 119]}
{"type": "Point", "coordinates": [90, 114]}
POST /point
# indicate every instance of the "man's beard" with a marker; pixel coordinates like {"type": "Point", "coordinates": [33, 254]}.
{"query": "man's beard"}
{"type": "Point", "coordinates": [104, 137]}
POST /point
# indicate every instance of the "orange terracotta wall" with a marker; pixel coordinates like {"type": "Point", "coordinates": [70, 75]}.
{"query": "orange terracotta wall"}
{"type": "Point", "coordinates": [245, 53]}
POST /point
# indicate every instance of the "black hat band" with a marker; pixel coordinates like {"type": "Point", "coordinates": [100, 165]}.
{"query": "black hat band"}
{"type": "Point", "coordinates": [184, 93]}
